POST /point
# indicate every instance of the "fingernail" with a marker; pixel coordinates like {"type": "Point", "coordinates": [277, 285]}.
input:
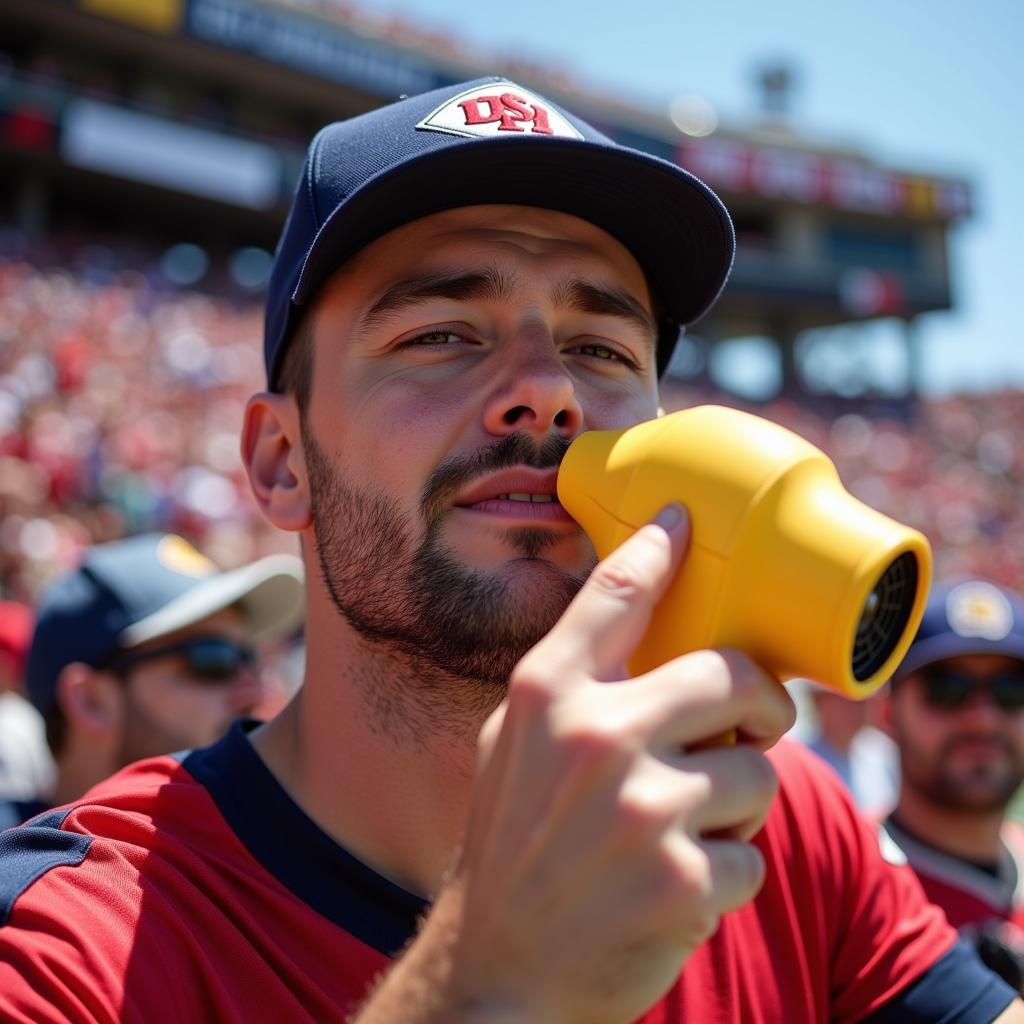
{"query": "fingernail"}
{"type": "Point", "coordinates": [670, 516]}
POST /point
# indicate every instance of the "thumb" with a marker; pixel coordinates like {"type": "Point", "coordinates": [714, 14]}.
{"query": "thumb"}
{"type": "Point", "coordinates": [609, 616]}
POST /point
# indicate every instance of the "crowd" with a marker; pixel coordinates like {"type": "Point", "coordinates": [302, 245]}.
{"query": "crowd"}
{"type": "Point", "coordinates": [120, 402]}
{"type": "Point", "coordinates": [121, 396]}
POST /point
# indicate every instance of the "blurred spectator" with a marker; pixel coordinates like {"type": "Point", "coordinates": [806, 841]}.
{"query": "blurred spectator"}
{"type": "Point", "coordinates": [121, 397]}
{"type": "Point", "coordinates": [120, 404]}
{"type": "Point", "coordinates": [956, 712]}
{"type": "Point", "coordinates": [840, 731]}
{"type": "Point", "coordinates": [26, 767]}
{"type": "Point", "coordinates": [146, 649]}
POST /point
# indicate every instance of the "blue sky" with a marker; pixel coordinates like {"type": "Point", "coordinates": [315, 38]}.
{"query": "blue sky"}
{"type": "Point", "coordinates": [926, 84]}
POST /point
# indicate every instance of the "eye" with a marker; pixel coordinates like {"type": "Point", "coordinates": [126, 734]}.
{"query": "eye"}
{"type": "Point", "coordinates": [599, 351]}
{"type": "Point", "coordinates": [436, 339]}
{"type": "Point", "coordinates": [606, 353]}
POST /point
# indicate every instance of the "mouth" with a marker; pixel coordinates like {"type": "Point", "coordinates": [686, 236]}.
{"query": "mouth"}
{"type": "Point", "coordinates": [523, 493]}
{"type": "Point", "coordinates": [979, 748]}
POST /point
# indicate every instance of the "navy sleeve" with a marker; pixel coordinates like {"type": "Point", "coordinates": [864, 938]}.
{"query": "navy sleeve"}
{"type": "Point", "coordinates": [957, 989]}
{"type": "Point", "coordinates": [29, 851]}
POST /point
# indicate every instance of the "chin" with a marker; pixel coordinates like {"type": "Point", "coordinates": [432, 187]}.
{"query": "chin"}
{"type": "Point", "coordinates": [534, 572]}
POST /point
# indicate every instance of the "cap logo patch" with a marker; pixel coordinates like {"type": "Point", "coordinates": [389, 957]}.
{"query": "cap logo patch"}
{"type": "Point", "coordinates": [495, 110]}
{"type": "Point", "coordinates": [979, 609]}
{"type": "Point", "coordinates": [179, 556]}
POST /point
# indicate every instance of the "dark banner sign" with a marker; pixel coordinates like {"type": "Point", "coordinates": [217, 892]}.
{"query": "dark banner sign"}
{"type": "Point", "coordinates": [310, 45]}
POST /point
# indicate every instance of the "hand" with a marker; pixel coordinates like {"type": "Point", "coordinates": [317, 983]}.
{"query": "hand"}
{"type": "Point", "coordinates": [600, 852]}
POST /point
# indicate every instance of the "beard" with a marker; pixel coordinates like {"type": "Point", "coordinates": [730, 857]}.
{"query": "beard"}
{"type": "Point", "coordinates": [980, 788]}
{"type": "Point", "coordinates": [416, 601]}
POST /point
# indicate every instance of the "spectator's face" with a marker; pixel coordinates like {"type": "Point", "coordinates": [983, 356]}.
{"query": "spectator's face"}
{"type": "Point", "coordinates": [455, 359]}
{"type": "Point", "coordinates": [963, 754]}
{"type": "Point", "coordinates": [172, 703]}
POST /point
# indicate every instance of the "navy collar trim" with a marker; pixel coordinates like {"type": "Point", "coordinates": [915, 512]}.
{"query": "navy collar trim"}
{"type": "Point", "coordinates": [296, 851]}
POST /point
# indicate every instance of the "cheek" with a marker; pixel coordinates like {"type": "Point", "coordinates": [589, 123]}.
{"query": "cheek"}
{"type": "Point", "coordinates": [615, 409]}
{"type": "Point", "coordinates": [915, 726]}
{"type": "Point", "coordinates": [165, 699]}
{"type": "Point", "coordinates": [391, 439]}
{"type": "Point", "coordinates": [173, 699]}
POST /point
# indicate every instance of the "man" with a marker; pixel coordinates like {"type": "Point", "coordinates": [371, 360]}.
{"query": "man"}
{"type": "Point", "coordinates": [956, 712]}
{"type": "Point", "coordinates": [145, 649]}
{"type": "Point", "coordinates": [470, 812]}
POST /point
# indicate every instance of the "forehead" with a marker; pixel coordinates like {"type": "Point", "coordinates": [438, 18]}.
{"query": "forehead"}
{"type": "Point", "coordinates": [472, 235]}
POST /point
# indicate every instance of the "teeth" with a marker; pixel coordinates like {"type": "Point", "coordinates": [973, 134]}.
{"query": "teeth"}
{"type": "Point", "coordinates": [521, 496]}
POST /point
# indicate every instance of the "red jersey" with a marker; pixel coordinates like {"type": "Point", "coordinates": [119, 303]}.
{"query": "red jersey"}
{"type": "Point", "coordinates": [974, 899]}
{"type": "Point", "coordinates": [194, 889]}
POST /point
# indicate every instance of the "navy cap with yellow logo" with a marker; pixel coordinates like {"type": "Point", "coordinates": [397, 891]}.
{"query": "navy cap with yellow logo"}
{"type": "Point", "coordinates": [132, 591]}
{"type": "Point", "coordinates": [967, 615]}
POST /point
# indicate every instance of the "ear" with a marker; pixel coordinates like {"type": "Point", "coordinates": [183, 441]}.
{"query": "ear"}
{"type": "Point", "coordinates": [92, 702]}
{"type": "Point", "coordinates": [273, 457]}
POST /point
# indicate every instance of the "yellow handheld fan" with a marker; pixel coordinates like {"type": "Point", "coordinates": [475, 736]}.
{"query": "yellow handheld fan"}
{"type": "Point", "coordinates": [784, 564]}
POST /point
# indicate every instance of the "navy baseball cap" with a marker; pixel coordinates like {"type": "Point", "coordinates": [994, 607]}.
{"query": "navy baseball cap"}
{"type": "Point", "coordinates": [491, 141]}
{"type": "Point", "coordinates": [967, 615]}
{"type": "Point", "coordinates": [129, 592]}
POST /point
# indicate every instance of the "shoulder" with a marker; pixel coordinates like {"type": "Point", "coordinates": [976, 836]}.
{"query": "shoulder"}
{"type": "Point", "coordinates": [808, 785]}
{"type": "Point", "coordinates": [28, 852]}
{"type": "Point", "coordinates": [77, 881]}
{"type": "Point", "coordinates": [111, 829]}
{"type": "Point", "coordinates": [891, 952]}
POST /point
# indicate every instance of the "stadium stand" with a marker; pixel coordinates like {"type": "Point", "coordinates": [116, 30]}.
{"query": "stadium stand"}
{"type": "Point", "coordinates": [120, 401]}
{"type": "Point", "coordinates": [121, 396]}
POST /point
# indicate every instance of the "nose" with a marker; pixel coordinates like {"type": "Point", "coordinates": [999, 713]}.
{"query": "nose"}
{"type": "Point", "coordinates": [536, 395]}
{"type": "Point", "coordinates": [981, 712]}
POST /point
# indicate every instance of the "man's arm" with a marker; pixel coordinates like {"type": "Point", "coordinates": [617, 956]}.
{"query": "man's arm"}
{"type": "Point", "coordinates": [599, 853]}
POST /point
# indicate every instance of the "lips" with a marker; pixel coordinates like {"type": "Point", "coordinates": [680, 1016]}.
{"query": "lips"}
{"type": "Point", "coordinates": [525, 485]}
{"type": "Point", "coordinates": [518, 494]}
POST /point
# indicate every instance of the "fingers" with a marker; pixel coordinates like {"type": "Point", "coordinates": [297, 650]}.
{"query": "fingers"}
{"type": "Point", "coordinates": [607, 619]}
{"type": "Point", "coordinates": [706, 693]}
{"type": "Point", "coordinates": [737, 871]}
{"type": "Point", "coordinates": [725, 793]}
{"type": "Point", "coordinates": [731, 791]}
{"type": "Point", "coordinates": [722, 875]}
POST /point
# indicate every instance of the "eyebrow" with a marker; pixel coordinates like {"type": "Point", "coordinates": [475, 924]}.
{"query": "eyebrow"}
{"type": "Point", "coordinates": [602, 300]}
{"type": "Point", "coordinates": [490, 284]}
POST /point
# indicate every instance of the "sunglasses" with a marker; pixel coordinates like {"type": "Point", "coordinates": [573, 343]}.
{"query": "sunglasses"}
{"type": "Point", "coordinates": [209, 659]}
{"type": "Point", "coordinates": [946, 690]}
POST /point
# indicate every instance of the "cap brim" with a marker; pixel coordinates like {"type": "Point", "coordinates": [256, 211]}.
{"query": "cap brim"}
{"type": "Point", "coordinates": [270, 592]}
{"type": "Point", "coordinates": [675, 226]}
{"type": "Point", "coordinates": [948, 645]}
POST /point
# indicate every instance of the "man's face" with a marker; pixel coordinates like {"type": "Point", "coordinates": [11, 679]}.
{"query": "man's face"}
{"type": "Point", "coordinates": [169, 704]}
{"type": "Point", "coordinates": [455, 359]}
{"type": "Point", "coordinates": [968, 757]}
